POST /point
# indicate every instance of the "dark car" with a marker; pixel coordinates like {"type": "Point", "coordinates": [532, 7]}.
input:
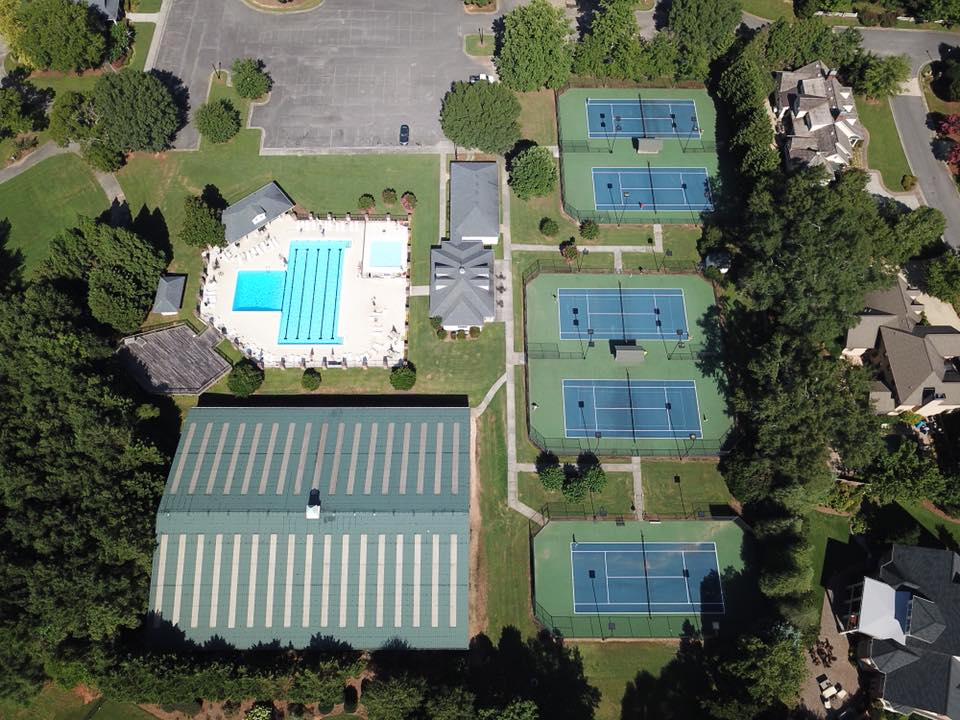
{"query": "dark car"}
{"type": "Point", "coordinates": [404, 134]}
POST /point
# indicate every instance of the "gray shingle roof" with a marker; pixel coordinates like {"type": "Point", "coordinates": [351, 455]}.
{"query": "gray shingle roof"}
{"type": "Point", "coordinates": [255, 210]}
{"type": "Point", "coordinates": [892, 307]}
{"type": "Point", "coordinates": [110, 8]}
{"type": "Point", "coordinates": [169, 295]}
{"type": "Point", "coordinates": [461, 285]}
{"type": "Point", "coordinates": [474, 201]}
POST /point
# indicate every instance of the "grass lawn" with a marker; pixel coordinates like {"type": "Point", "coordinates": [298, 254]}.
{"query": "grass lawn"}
{"type": "Point", "coordinates": [330, 183]}
{"type": "Point", "coordinates": [935, 102]}
{"type": "Point", "coordinates": [770, 9]}
{"type": "Point", "coordinates": [610, 666]}
{"type": "Point", "coordinates": [701, 486]}
{"type": "Point", "coordinates": [938, 526]}
{"type": "Point", "coordinates": [473, 46]}
{"type": "Point", "coordinates": [820, 527]}
{"type": "Point", "coordinates": [46, 200]}
{"type": "Point", "coordinates": [884, 151]}
{"type": "Point", "coordinates": [56, 703]}
{"type": "Point", "coordinates": [616, 498]}
{"type": "Point", "coordinates": [147, 6]}
{"type": "Point", "coordinates": [538, 117]}
{"type": "Point", "coordinates": [504, 568]}
{"type": "Point", "coordinates": [527, 452]}
{"type": "Point", "coordinates": [141, 44]}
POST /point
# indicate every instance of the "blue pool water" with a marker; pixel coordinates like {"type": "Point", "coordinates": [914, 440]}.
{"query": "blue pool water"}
{"type": "Point", "coordinates": [307, 294]}
{"type": "Point", "coordinates": [259, 290]}
{"type": "Point", "coordinates": [386, 254]}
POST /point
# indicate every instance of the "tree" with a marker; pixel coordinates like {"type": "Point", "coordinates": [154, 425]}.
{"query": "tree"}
{"type": "Point", "coordinates": [134, 111]}
{"type": "Point", "coordinates": [218, 120]}
{"type": "Point", "coordinates": [535, 48]}
{"type": "Point", "coordinates": [481, 115]}
{"type": "Point", "coordinates": [589, 230]}
{"type": "Point", "coordinates": [516, 710]}
{"type": "Point", "coordinates": [120, 40]}
{"type": "Point", "coordinates": [533, 173]}
{"type": "Point", "coordinates": [102, 157]}
{"type": "Point", "coordinates": [552, 477]}
{"type": "Point", "coordinates": [907, 474]}
{"type": "Point", "coordinates": [880, 77]}
{"type": "Point", "coordinates": [594, 478]}
{"type": "Point", "coordinates": [10, 27]}
{"type": "Point", "coordinates": [366, 202]}
{"type": "Point", "coordinates": [395, 699]}
{"type": "Point", "coordinates": [310, 380]}
{"type": "Point", "coordinates": [59, 35]}
{"type": "Point", "coordinates": [245, 378]}
{"type": "Point", "coordinates": [604, 51]}
{"type": "Point", "coordinates": [71, 118]}
{"type": "Point", "coordinates": [704, 31]}
{"type": "Point", "coordinates": [949, 125]}
{"type": "Point", "coordinates": [943, 278]}
{"type": "Point", "coordinates": [949, 80]}
{"type": "Point", "coordinates": [453, 703]}
{"type": "Point", "coordinates": [403, 377]}
{"type": "Point", "coordinates": [549, 227]}
{"type": "Point", "coordinates": [13, 119]}
{"type": "Point", "coordinates": [920, 229]}
{"type": "Point", "coordinates": [201, 224]}
{"type": "Point", "coordinates": [249, 78]}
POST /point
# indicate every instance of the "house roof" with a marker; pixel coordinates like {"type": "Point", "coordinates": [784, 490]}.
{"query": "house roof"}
{"type": "Point", "coordinates": [169, 295]}
{"type": "Point", "coordinates": [110, 8]}
{"type": "Point", "coordinates": [474, 201]}
{"type": "Point", "coordinates": [894, 306]}
{"type": "Point", "coordinates": [922, 362]}
{"type": "Point", "coordinates": [461, 286]}
{"type": "Point", "coordinates": [254, 211]}
{"type": "Point", "coordinates": [286, 524]}
{"type": "Point", "coordinates": [878, 611]}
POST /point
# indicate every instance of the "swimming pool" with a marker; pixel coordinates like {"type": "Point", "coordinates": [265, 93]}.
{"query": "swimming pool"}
{"type": "Point", "coordinates": [386, 254]}
{"type": "Point", "coordinates": [259, 290]}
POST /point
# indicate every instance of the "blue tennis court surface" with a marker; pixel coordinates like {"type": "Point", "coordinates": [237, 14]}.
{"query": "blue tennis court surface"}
{"type": "Point", "coordinates": [636, 409]}
{"type": "Point", "coordinates": [642, 119]}
{"type": "Point", "coordinates": [659, 578]}
{"type": "Point", "coordinates": [311, 295]}
{"type": "Point", "coordinates": [622, 314]}
{"type": "Point", "coordinates": [651, 189]}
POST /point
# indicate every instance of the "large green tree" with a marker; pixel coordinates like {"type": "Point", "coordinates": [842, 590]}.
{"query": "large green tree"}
{"type": "Point", "coordinates": [59, 35]}
{"type": "Point", "coordinates": [943, 278]}
{"type": "Point", "coordinates": [907, 474]}
{"type": "Point", "coordinates": [878, 76]}
{"type": "Point", "coordinates": [13, 119]}
{"type": "Point", "coordinates": [535, 49]}
{"type": "Point", "coordinates": [704, 29]}
{"type": "Point", "coordinates": [481, 115]}
{"type": "Point", "coordinates": [533, 173]}
{"type": "Point", "coordinates": [201, 224]}
{"type": "Point", "coordinates": [605, 50]}
{"type": "Point", "coordinates": [134, 111]}
{"type": "Point", "coordinates": [71, 118]}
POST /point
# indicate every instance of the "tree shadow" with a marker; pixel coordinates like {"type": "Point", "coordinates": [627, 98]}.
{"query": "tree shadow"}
{"type": "Point", "coordinates": [152, 227]}
{"type": "Point", "coordinates": [35, 101]}
{"type": "Point", "coordinates": [212, 198]}
{"type": "Point", "coordinates": [11, 260]}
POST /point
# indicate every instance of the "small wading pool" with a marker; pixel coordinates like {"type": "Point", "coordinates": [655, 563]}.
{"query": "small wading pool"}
{"type": "Point", "coordinates": [384, 254]}
{"type": "Point", "coordinates": [259, 290]}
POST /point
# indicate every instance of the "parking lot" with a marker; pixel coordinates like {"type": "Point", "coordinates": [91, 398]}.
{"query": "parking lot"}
{"type": "Point", "coordinates": [346, 75]}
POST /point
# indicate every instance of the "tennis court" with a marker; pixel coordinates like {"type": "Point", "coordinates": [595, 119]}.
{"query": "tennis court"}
{"type": "Point", "coordinates": [659, 578]}
{"type": "Point", "coordinates": [650, 188]}
{"type": "Point", "coordinates": [642, 118]}
{"type": "Point", "coordinates": [631, 409]}
{"type": "Point", "coordinates": [622, 314]}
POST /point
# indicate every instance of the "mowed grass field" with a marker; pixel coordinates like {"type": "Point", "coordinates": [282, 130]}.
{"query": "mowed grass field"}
{"type": "Point", "coordinates": [56, 703]}
{"type": "Point", "coordinates": [701, 487]}
{"type": "Point", "coordinates": [615, 499]}
{"type": "Point", "coordinates": [884, 151]}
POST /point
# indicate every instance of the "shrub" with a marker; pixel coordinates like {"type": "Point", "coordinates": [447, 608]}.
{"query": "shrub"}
{"type": "Point", "coordinates": [552, 477]}
{"type": "Point", "coordinates": [461, 335]}
{"type": "Point", "coordinates": [533, 173]}
{"type": "Point", "coordinates": [409, 201]}
{"type": "Point", "coordinates": [403, 377]}
{"type": "Point", "coordinates": [218, 120]}
{"type": "Point", "coordinates": [389, 196]}
{"type": "Point", "coordinates": [310, 380]}
{"type": "Point", "coordinates": [249, 79]}
{"type": "Point", "coordinates": [589, 230]}
{"type": "Point", "coordinates": [441, 333]}
{"type": "Point", "coordinates": [574, 489]}
{"type": "Point", "coordinates": [950, 80]}
{"type": "Point", "coordinates": [201, 224]}
{"type": "Point", "coordinates": [366, 202]}
{"type": "Point", "coordinates": [120, 40]}
{"type": "Point", "coordinates": [102, 157]}
{"type": "Point", "coordinates": [260, 712]}
{"type": "Point", "coordinates": [245, 378]}
{"type": "Point", "coordinates": [908, 182]}
{"type": "Point", "coordinates": [549, 227]}
{"type": "Point", "coordinates": [474, 331]}
{"type": "Point", "coordinates": [436, 322]}
{"type": "Point", "coordinates": [594, 478]}
{"type": "Point", "coordinates": [568, 248]}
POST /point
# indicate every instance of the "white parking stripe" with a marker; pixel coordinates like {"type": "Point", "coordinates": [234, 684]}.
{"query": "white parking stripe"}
{"type": "Point", "coordinates": [404, 458]}
{"type": "Point", "coordinates": [286, 458]}
{"type": "Point", "coordinates": [250, 458]}
{"type": "Point", "coordinates": [237, 443]}
{"type": "Point", "coordinates": [455, 461]}
{"type": "Point", "coordinates": [212, 477]}
{"type": "Point", "coordinates": [178, 579]}
{"type": "Point", "coordinates": [371, 457]}
{"type": "Point", "coordinates": [335, 470]}
{"type": "Point", "coordinates": [201, 454]}
{"type": "Point", "coordinates": [423, 457]}
{"type": "Point", "coordinates": [438, 460]}
{"type": "Point", "coordinates": [298, 480]}
{"type": "Point", "coordinates": [288, 589]}
{"type": "Point", "coordinates": [453, 580]}
{"type": "Point", "coordinates": [416, 581]}
{"type": "Point", "coordinates": [387, 457]}
{"type": "Point", "coordinates": [344, 578]}
{"type": "Point", "coordinates": [184, 454]}
{"type": "Point", "coordinates": [252, 583]}
{"type": "Point", "coordinates": [435, 583]}
{"type": "Point", "coordinates": [215, 587]}
{"type": "Point", "coordinates": [271, 579]}
{"type": "Point", "coordinates": [321, 448]}
{"type": "Point", "coordinates": [381, 559]}
{"type": "Point", "coordinates": [161, 576]}
{"type": "Point", "coordinates": [197, 582]}
{"type": "Point", "coordinates": [268, 460]}
{"type": "Point", "coordinates": [307, 578]}
{"type": "Point", "coordinates": [398, 586]}
{"type": "Point", "coordinates": [234, 579]}
{"type": "Point", "coordinates": [355, 448]}
{"type": "Point", "coordinates": [362, 584]}
{"type": "Point", "coordinates": [325, 593]}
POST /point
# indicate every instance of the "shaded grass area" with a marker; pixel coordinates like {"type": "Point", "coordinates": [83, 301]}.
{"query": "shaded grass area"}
{"type": "Point", "coordinates": [935, 102]}
{"type": "Point", "coordinates": [884, 151]}
{"type": "Point", "coordinates": [701, 487]}
{"type": "Point", "coordinates": [538, 117]}
{"type": "Point", "coordinates": [610, 666]}
{"type": "Point", "coordinates": [504, 567]}
{"type": "Point", "coordinates": [45, 200]}
{"type": "Point", "coordinates": [147, 6]}
{"type": "Point", "coordinates": [57, 703]}
{"type": "Point", "coordinates": [616, 498]}
{"type": "Point", "coordinates": [331, 183]}
{"type": "Point", "coordinates": [945, 531]}
{"type": "Point", "coordinates": [473, 46]}
{"type": "Point", "coordinates": [527, 452]}
{"type": "Point", "coordinates": [821, 527]}
{"type": "Point", "coordinates": [141, 43]}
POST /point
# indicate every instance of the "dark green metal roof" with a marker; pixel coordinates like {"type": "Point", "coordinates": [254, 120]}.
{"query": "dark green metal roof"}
{"type": "Point", "coordinates": [238, 558]}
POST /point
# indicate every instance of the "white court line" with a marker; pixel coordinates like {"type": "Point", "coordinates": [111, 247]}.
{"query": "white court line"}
{"type": "Point", "coordinates": [398, 585]}
{"type": "Point", "coordinates": [381, 561]}
{"type": "Point", "coordinates": [271, 578]}
{"type": "Point", "coordinates": [362, 583]}
{"type": "Point", "coordinates": [197, 582]}
{"type": "Point", "coordinates": [387, 457]}
{"type": "Point", "coordinates": [161, 575]}
{"type": "Point", "coordinates": [251, 457]}
{"type": "Point", "coordinates": [325, 593]}
{"type": "Point", "coordinates": [307, 578]}
{"type": "Point", "coordinates": [288, 585]}
{"type": "Point", "coordinates": [435, 583]}
{"type": "Point", "coordinates": [221, 442]}
{"type": "Point", "coordinates": [175, 485]}
{"type": "Point", "coordinates": [201, 454]}
{"type": "Point", "coordinates": [298, 479]}
{"type": "Point", "coordinates": [686, 577]}
{"type": "Point", "coordinates": [416, 580]}
{"type": "Point", "coordinates": [215, 586]}
{"type": "Point", "coordinates": [453, 580]}
{"type": "Point", "coordinates": [238, 441]}
{"type": "Point", "coordinates": [285, 462]}
{"type": "Point", "coordinates": [344, 577]}
{"type": "Point", "coordinates": [178, 579]}
{"type": "Point", "coordinates": [643, 577]}
{"type": "Point", "coordinates": [606, 577]}
{"type": "Point", "coordinates": [234, 579]}
{"type": "Point", "coordinates": [252, 583]}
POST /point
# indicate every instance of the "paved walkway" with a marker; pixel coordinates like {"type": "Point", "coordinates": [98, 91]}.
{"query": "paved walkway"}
{"type": "Point", "coordinates": [656, 247]}
{"type": "Point", "coordinates": [419, 291]}
{"type": "Point", "coordinates": [47, 150]}
{"type": "Point", "coordinates": [160, 19]}
{"type": "Point", "coordinates": [108, 181]}
{"type": "Point", "coordinates": [444, 172]}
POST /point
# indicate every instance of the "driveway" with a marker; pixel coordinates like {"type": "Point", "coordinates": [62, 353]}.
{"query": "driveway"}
{"type": "Point", "coordinates": [346, 75]}
{"type": "Point", "coordinates": [910, 114]}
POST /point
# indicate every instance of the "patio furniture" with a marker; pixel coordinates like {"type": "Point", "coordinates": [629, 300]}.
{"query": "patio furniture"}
{"type": "Point", "coordinates": [829, 692]}
{"type": "Point", "coordinates": [824, 683]}
{"type": "Point", "coordinates": [842, 695]}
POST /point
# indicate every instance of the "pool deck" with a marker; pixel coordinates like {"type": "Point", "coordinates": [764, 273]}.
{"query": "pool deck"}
{"type": "Point", "coordinates": [372, 319]}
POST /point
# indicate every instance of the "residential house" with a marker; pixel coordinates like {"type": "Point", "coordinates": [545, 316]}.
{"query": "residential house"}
{"type": "Point", "coordinates": [461, 284]}
{"type": "Point", "coordinates": [254, 211]}
{"type": "Point", "coordinates": [817, 118]}
{"type": "Point", "coordinates": [907, 618]}
{"type": "Point", "coordinates": [474, 202]}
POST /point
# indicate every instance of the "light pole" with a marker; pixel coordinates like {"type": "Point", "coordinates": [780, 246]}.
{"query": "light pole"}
{"type": "Point", "coordinates": [676, 480]}
{"type": "Point", "coordinates": [596, 604]}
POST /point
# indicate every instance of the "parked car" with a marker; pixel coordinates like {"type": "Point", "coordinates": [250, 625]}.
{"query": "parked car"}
{"type": "Point", "coordinates": [404, 134]}
{"type": "Point", "coordinates": [482, 77]}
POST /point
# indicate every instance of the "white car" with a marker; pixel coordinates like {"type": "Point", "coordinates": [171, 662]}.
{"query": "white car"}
{"type": "Point", "coordinates": [481, 78]}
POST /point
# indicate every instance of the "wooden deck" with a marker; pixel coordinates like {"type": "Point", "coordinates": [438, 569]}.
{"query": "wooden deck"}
{"type": "Point", "coordinates": [173, 361]}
